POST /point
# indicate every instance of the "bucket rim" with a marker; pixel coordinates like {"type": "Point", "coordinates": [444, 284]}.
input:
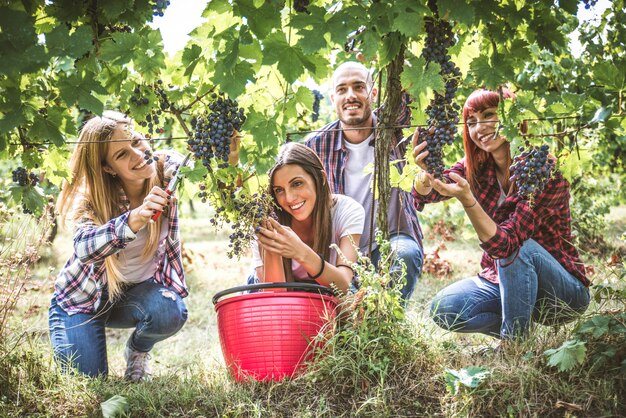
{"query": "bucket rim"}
{"type": "Point", "coordinates": [304, 287]}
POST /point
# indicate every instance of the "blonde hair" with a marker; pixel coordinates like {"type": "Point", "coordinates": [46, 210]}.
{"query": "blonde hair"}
{"type": "Point", "coordinates": [94, 195]}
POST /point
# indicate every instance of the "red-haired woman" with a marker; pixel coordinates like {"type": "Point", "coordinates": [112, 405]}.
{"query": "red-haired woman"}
{"type": "Point", "coordinates": [531, 270]}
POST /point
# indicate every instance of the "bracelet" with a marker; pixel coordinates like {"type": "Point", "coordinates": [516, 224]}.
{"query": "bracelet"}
{"type": "Point", "coordinates": [472, 205]}
{"type": "Point", "coordinates": [345, 265]}
{"type": "Point", "coordinates": [321, 270]}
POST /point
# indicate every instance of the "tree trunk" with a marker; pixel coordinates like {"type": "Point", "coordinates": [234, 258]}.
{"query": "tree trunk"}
{"type": "Point", "coordinates": [385, 138]}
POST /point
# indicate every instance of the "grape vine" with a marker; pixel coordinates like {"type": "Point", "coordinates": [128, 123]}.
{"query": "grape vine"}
{"type": "Point", "coordinates": [442, 112]}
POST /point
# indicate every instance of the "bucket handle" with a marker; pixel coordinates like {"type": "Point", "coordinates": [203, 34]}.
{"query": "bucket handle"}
{"type": "Point", "coordinates": [283, 285]}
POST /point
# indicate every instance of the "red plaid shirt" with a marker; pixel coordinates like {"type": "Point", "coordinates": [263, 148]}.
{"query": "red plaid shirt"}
{"type": "Point", "coordinates": [547, 221]}
{"type": "Point", "coordinates": [79, 285]}
{"type": "Point", "coordinates": [328, 144]}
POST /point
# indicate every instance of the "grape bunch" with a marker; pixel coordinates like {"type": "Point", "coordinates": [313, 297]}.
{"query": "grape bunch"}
{"type": "Point", "coordinates": [244, 211]}
{"type": "Point", "coordinates": [158, 6]}
{"type": "Point", "coordinates": [531, 169]}
{"type": "Point", "coordinates": [317, 97]}
{"type": "Point", "coordinates": [443, 114]}
{"type": "Point", "coordinates": [118, 28]}
{"type": "Point", "coordinates": [23, 178]}
{"type": "Point", "coordinates": [589, 3]}
{"type": "Point", "coordinates": [149, 156]}
{"type": "Point", "coordinates": [300, 6]}
{"type": "Point", "coordinates": [212, 131]}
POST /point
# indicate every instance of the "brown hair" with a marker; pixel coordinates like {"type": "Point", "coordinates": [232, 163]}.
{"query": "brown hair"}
{"type": "Point", "coordinates": [93, 195]}
{"type": "Point", "coordinates": [307, 159]}
{"type": "Point", "coordinates": [475, 158]}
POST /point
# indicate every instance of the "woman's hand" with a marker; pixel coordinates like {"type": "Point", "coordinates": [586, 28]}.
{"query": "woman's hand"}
{"type": "Point", "coordinates": [459, 189]}
{"type": "Point", "coordinates": [281, 240]}
{"type": "Point", "coordinates": [423, 180]}
{"type": "Point", "coordinates": [156, 200]}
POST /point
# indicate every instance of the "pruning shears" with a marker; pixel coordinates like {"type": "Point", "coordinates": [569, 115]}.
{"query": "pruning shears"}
{"type": "Point", "coordinates": [171, 187]}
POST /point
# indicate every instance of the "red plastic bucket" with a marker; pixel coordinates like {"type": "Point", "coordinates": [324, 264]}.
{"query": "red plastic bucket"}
{"type": "Point", "coordinates": [267, 335]}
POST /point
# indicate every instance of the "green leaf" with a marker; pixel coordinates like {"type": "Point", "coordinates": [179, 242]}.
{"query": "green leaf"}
{"type": "Point", "coordinates": [408, 18]}
{"type": "Point", "coordinates": [80, 88]}
{"type": "Point", "coordinates": [419, 80]}
{"type": "Point", "coordinates": [55, 165]}
{"type": "Point", "coordinates": [390, 47]}
{"type": "Point", "coordinates": [115, 406]}
{"type": "Point", "coordinates": [291, 59]}
{"type": "Point", "coordinates": [190, 58]}
{"type": "Point", "coordinates": [570, 354]}
{"type": "Point", "coordinates": [152, 59]}
{"type": "Point", "coordinates": [233, 80]}
{"type": "Point", "coordinates": [121, 48]}
{"type": "Point", "coordinates": [46, 130]}
{"type": "Point", "coordinates": [492, 75]}
{"type": "Point", "coordinates": [32, 198]}
{"type": "Point", "coordinates": [195, 174]}
{"type": "Point", "coordinates": [260, 20]}
{"type": "Point", "coordinates": [456, 11]}
{"type": "Point", "coordinates": [311, 27]}
{"type": "Point", "coordinates": [574, 163]}
{"type": "Point", "coordinates": [470, 377]}
{"type": "Point", "coordinates": [115, 8]}
{"type": "Point", "coordinates": [596, 326]}
{"type": "Point", "coordinates": [61, 43]}
{"type": "Point", "coordinates": [610, 75]}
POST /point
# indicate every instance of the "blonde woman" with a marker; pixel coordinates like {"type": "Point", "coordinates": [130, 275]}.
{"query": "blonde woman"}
{"type": "Point", "coordinates": [125, 272]}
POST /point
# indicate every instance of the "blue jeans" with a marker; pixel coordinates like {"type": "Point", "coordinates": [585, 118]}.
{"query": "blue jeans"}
{"type": "Point", "coordinates": [79, 340]}
{"type": "Point", "coordinates": [407, 249]}
{"type": "Point", "coordinates": [533, 285]}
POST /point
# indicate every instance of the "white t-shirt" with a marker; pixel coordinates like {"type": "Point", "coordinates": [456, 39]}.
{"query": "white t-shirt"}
{"type": "Point", "coordinates": [348, 218]}
{"type": "Point", "coordinates": [134, 268]}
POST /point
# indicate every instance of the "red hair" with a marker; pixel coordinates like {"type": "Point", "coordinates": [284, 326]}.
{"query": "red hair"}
{"type": "Point", "coordinates": [478, 101]}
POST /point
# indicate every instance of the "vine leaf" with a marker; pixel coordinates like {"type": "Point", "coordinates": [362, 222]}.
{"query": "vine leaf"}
{"type": "Point", "coordinates": [570, 354]}
{"type": "Point", "coordinates": [232, 80]}
{"type": "Point", "coordinates": [47, 130]}
{"type": "Point", "coordinates": [458, 11]}
{"type": "Point", "coordinates": [121, 48]}
{"type": "Point", "coordinates": [152, 59]}
{"type": "Point", "coordinates": [291, 59]}
{"type": "Point", "coordinates": [418, 79]}
{"type": "Point", "coordinates": [79, 88]}
{"type": "Point", "coordinates": [470, 377]}
{"type": "Point", "coordinates": [61, 43]}
{"type": "Point", "coordinates": [610, 75]}
{"type": "Point", "coordinates": [491, 75]}
{"type": "Point", "coordinates": [410, 19]}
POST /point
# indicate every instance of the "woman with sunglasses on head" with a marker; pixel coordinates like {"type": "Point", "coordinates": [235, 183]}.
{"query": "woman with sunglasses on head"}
{"type": "Point", "coordinates": [531, 269]}
{"type": "Point", "coordinates": [126, 270]}
{"type": "Point", "coordinates": [310, 219]}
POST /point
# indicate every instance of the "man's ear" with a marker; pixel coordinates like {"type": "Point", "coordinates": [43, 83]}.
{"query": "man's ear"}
{"type": "Point", "coordinates": [374, 94]}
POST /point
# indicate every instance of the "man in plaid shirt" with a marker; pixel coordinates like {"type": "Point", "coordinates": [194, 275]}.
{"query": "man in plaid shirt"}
{"type": "Point", "coordinates": [531, 269]}
{"type": "Point", "coordinates": [346, 148]}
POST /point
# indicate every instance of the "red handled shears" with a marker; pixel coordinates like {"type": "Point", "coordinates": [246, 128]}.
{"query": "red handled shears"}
{"type": "Point", "coordinates": [171, 187]}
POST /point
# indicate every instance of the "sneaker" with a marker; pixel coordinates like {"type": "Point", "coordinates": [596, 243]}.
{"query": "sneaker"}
{"type": "Point", "coordinates": [137, 365]}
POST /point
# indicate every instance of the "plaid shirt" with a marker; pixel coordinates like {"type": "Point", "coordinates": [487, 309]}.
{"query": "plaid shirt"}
{"type": "Point", "coordinates": [329, 145]}
{"type": "Point", "coordinates": [79, 285]}
{"type": "Point", "coordinates": [547, 221]}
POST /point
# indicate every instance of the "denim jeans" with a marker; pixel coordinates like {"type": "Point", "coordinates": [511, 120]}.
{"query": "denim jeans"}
{"type": "Point", "coordinates": [533, 285]}
{"type": "Point", "coordinates": [407, 249]}
{"type": "Point", "coordinates": [79, 340]}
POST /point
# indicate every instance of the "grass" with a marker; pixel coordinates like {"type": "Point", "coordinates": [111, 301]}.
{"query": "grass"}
{"type": "Point", "coordinates": [191, 380]}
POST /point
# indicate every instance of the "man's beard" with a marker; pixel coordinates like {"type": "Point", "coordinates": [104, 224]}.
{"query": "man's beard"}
{"type": "Point", "coordinates": [356, 120]}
